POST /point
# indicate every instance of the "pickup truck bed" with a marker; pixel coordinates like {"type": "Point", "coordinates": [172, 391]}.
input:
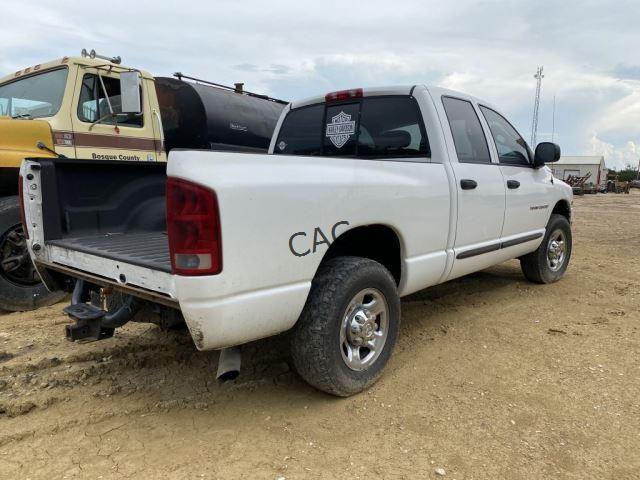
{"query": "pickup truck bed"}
{"type": "Point", "coordinates": [117, 221]}
{"type": "Point", "coordinates": [145, 249]}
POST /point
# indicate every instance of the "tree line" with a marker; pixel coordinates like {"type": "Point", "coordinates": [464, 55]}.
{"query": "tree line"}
{"type": "Point", "coordinates": [627, 174]}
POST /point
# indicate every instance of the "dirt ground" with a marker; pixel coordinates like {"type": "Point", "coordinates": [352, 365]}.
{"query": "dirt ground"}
{"type": "Point", "coordinates": [493, 377]}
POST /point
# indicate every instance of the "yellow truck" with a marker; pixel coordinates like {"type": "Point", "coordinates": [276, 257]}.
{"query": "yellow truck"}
{"type": "Point", "coordinates": [92, 107]}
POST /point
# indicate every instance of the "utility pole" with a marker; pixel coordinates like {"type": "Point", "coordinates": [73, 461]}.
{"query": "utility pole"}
{"type": "Point", "coordinates": [536, 107]}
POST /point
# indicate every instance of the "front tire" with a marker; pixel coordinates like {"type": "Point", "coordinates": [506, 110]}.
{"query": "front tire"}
{"type": "Point", "coordinates": [348, 327]}
{"type": "Point", "coordinates": [20, 286]}
{"type": "Point", "coordinates": [549, 262]}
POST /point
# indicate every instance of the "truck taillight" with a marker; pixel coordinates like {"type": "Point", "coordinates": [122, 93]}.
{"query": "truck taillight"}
{"type": "Point", "coordinates": [193, 227]}
{"type": "Point", "coordinates": [21, 205]}
{"type": "Point", "coordinates": [343, 95]}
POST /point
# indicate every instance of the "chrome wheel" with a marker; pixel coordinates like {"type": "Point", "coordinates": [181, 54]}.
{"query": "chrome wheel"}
{"type": "Point", "coordinates": [364, 329]}
{"type": "Point", "coordinates": [556, 250]}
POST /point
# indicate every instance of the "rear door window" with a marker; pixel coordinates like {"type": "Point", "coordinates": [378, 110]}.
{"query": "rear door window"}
{"type": "Point", "coordinates": [468, 137]}
{"type": "Point", "coordinates": [375, 127]}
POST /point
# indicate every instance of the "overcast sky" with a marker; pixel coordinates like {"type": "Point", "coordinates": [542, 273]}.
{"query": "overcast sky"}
{"type": "Point", "coordinates": [295, 48]}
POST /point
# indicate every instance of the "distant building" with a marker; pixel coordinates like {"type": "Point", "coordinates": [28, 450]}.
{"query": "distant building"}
{"type": "Point", "coordinates": [581, 166]}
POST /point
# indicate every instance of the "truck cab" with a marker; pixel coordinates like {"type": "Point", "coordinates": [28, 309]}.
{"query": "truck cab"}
{"type": "Point", "coordinates": [80, 99]}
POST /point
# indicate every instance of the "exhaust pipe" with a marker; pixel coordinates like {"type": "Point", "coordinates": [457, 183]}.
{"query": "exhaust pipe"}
{"type": "Point", "coordinates": [229, 364]}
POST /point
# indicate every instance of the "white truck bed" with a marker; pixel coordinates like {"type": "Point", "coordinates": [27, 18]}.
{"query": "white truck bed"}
{"type": "Point", "coordinates": [146, 249]}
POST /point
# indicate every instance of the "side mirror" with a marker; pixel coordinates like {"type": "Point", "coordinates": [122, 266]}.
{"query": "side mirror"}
{"type": "Point", "coordinates": [546, 152]}
{"type": "Point", "coordinates": [130, 92]}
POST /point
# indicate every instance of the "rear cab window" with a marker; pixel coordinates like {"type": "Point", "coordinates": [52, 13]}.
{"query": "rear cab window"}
{"type": "Point", "coordinates": [378, 127]}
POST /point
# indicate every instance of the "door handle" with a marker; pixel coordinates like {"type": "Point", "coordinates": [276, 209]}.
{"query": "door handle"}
{"type": "Point", "coordinates": [513, 184]}
{"type": "Point", "coordinates": [467, 184]}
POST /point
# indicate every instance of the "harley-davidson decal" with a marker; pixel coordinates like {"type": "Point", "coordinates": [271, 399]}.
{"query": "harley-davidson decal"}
{"type": "Point", "coordinates": [341, 129]}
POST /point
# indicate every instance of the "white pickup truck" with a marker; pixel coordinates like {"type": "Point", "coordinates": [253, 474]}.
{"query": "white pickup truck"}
{"type": "Point", "coordinates": [365, 196]}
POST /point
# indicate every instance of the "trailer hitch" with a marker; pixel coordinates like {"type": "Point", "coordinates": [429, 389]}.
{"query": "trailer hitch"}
{"type": "Point", "coordinates": [88, 323]}
{"type": "Point", "coordinates": [93, 323]}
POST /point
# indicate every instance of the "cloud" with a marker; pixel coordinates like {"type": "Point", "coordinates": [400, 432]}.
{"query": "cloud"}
{"type": "Point", "coordinates": [616, 158]}
{"type": "Point", "coordinates": [624, 71]}
{"type": "Point", "coordinates": [623, 115]}
{"type": "Point", "coordinates": [292, 49]}
{"type": "Point", "coordinates": [273, 68]}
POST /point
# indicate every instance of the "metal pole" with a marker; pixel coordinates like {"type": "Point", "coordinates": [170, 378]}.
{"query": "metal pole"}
{"type": "Point", "coordinates": [553, 121]}
{"type": "Point", "coordinates": [536, 107]}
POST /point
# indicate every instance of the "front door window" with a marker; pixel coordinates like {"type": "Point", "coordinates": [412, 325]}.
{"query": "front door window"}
{"type": "Point", "coordinates": [512, 149]}
{"type": "Point", "coordinates": [94, 104]}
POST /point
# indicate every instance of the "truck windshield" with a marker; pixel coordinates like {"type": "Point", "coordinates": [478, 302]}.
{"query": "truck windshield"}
{"type": "Point", "coordinates": [35, 96]}
{"type": "Point", "coordinates": [374, 127]}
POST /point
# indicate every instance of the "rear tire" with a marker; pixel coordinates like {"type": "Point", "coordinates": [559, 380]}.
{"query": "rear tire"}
{"type": "Point", "coordinates": [348, 327]}
{"type": "Point", "coordinates": [20, 286]}
{"type": "Point", "coordinates": [549, 262]}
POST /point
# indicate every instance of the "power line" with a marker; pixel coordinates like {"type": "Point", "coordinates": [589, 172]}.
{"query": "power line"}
{"type": "Point", "coordinates": [536, 106]}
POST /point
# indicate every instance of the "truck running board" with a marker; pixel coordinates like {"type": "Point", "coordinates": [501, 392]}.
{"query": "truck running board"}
{"type": "Point", "coordinates": [88, 323]}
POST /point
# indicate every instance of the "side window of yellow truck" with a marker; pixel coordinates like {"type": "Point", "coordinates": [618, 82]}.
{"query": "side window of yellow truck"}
{"type": "Point", "coordinates": [94, 105]}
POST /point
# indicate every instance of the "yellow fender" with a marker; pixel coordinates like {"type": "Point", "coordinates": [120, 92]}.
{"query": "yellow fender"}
{"type": "Point", "coordinates": [18, 140]}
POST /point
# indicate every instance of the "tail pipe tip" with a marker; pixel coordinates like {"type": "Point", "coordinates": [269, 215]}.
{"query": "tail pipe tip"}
{"type": "Point", "coordinates": [229, 364]}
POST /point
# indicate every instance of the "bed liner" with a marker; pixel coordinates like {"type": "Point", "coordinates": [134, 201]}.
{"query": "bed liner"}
{"type": "Point", "coordinates": [145, 249]}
